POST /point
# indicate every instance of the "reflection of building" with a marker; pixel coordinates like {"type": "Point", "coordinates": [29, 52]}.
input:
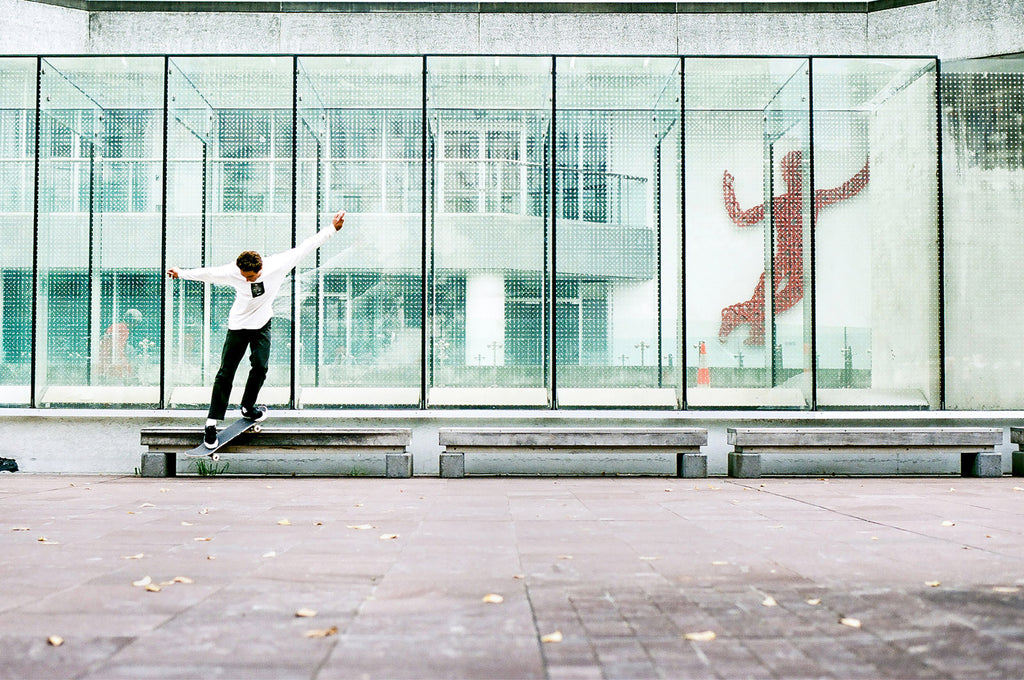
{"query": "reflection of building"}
{"type": "Point", "coordinates": [525, 230]}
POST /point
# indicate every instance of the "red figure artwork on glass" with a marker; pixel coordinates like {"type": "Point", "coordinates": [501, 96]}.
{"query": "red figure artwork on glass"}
{"type": "Point", "coordinates": [787, 261]}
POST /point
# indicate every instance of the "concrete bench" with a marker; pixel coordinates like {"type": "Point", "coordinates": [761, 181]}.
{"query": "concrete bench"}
{"type": "Point", "coordinates": [685, 443]}
{"type": "Point", "coordinates": [165, 443]}
{"type": "Point", "coordinates": [976, 446]}
{"type": "Point", "coordinates": [1017, 457]}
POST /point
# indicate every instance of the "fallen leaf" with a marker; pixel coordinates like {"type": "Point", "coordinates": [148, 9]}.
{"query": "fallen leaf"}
{"type": "Point", "coordinates": [932, 584]}
{"type": "Point", "coordinates": [388, 537]}
{"type": "Point", "coordinates": [144, 581]}
{"type": "Point", "coordinates": [518, 576]}
{"type": "Point", "coordinates": [552, 637]}
{"type": "Point", "coordinates": [45, 540]}
{"type": "Point", "coordinates": [284, 522]}
{"type": "Point", "coordinates": [134, 557]}
{"type": "Point", "coordinates": [186, 524]}
{"type": "Point", "coordinates": [719, 563]}
{"type": "Point", "coordinates": [702, 636]}
{"type": "Point", "coordinates": [55, 640]}
{"type": "Point", "coordinates": [565, 557]}
{"type": "Point", "coordinates": [20, 529]}
{"type": "Point", "coordinates": [153, 588]}
{"type": "Point", "coordinates": [814, 601]}
{"type": "Point", "coordinates": [202, 538]}
{"type": "Point", "coordinates": [211, 557]}
{"type": "Point", "coordinates": [947, 523]}
{"type": "Point", "coordinates": [769, 601]}
{"type": "Point", "coordinates": [492, 598]}
{"type": "Point", "coordinates": [147, 505]}
{"type": "Point", "coordinates": [1017, 488]}
{"type": "Point", "coordinates": [318, 524]}
{"type": "Point", "coordinates": [322, 632]}
{"type": "Point", "coordinates": [360, 527]}
{"type": "Point", "coordinates": [182, 579]}
{"type": "Point", "coordinates": [204, 511]}
{"type": "Point", "coordinates": [305, 613]}
{"type": "Point", "coordinates": [270, 554]}
{"type": "Point", "coordinates": [852, 623]}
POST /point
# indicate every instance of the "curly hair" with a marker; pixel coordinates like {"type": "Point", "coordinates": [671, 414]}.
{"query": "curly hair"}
{"type": "Point", "coordinates": [249, 261]}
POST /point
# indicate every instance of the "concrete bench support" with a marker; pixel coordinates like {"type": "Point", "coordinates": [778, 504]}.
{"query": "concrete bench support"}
{"type": "Point", "coordinates": [684, 443]}
{"type": "Point", "coordinates": [1017, 457]}
{"type": "Point", "coordinates": [164, 444]}
{"type": "Point", "coordinates": [976, 446]}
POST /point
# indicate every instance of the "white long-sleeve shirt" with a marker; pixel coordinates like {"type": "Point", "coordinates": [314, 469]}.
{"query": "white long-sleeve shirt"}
{"type": "Point", "coordinates": [254, 301]}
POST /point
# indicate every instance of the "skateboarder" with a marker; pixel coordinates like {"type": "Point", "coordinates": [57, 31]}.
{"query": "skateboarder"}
{"type": "Point", "coordinates": [256, 282]}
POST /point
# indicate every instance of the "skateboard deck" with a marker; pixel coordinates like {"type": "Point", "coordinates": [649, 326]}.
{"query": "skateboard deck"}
{"type": "Point", "coordinates": [225, 437]}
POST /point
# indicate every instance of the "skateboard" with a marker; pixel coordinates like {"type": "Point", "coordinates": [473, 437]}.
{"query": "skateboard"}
{"type": "Point", "coordinates": [225, 437]}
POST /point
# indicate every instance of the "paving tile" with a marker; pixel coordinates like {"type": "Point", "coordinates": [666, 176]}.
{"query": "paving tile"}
{"type": "Point", "coordinates": [622, 568]}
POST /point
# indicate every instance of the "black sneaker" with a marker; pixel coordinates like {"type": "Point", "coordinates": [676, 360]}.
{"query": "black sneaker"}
{"type": "Point", "coordinates": [8, 465]}
{"type": "Point", "coordinates": [255, 414]}
{"type": "Point", "coordinates": [210, 438]}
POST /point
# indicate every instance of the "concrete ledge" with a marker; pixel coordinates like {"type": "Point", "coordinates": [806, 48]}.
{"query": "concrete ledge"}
{"type": "Point", "coordinates": [164, 443]}
{"type": "Point", "coordinates": [684, 443]}
{"type": "Point", "coordinates": [976, 446]}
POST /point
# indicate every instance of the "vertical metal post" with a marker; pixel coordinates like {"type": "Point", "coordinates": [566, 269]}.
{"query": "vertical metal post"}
{"type": "Point", "coordinates": [294, 354]}
{"type": "Point", "coordinates": [941, 235]}
{"type": "Point", "coordinates": [35, 240]}
{"type": "Point", "coordinates": [90, 267]}
{"type": "Point", "coordinates": [811, 285]}
{"type": "Point", "coordinates": [657, 218]}
{"type": "Point", "coordinates": [553, 289]}
{"type": "Point", "coordinates": [164, 330]}
{"type": "Point", "coordinates": [426, 281]}
{"type": "Point", "coordinates": [682, 228]}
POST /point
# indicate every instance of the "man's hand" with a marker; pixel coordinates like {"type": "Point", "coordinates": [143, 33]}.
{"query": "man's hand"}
{"type": "Point", "coordinates": [173, 272]}
{"type": "Point", "coordinates": [339, 220]}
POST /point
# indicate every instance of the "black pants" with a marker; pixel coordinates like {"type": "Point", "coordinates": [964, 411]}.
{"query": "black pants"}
{"type": "Point", "coordinates": [235, 344]}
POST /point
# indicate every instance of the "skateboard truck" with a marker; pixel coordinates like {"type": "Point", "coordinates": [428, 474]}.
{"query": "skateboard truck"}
{"type": "Point", "coordinates": [225, 437]}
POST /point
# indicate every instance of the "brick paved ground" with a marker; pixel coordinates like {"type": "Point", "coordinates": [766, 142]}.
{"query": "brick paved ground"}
{"type": "Point", "coordinates": [779, 571]}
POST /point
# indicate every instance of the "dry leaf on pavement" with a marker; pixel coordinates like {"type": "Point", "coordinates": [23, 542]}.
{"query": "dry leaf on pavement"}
{"type": "Point", "coordinates": [322, 632]}
{"type": "Point", "coordinates": [305, 613]}
{"type": "Point", "coordinates": [552, 637]}
{"type": "Point", "coordinates": [702, 636]}
{"type": "Point", "coordinates": [493, 598]}
{"type": "Point", "coordinates": [851, 622]}
{"type": "Point", "coordinates": [55, 640]}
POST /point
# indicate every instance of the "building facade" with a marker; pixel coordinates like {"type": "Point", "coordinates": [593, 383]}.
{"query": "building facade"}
{"type": "Point", "coordinates": [686, 222]}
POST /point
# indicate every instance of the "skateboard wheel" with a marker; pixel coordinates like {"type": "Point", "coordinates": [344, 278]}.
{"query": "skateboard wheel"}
{"type": "Point", "coordinates": [215, 456]}
{"type": "Point", "coordinates": [257, 428]}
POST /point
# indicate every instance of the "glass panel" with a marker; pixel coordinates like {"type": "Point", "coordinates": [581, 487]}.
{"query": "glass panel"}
{"type": "Point", "coordinates": [361, 303]}
{"type": "Point", "coordinates": [617, 233]}
{"type": "Point", "coordinates": [983, 187]}
{"type": "Point", "coordinates": [17, 183]}
{"type": "Point", "coordinates": [489, 123]}
{"type": "Point", "coordinates": [875, 241]}
{"type": "Point", "coordinates": [229, 189]}
{"type": "Point", "coordinates": [100, 202]}
{"type": "Point", "coordinates": [747, 221]}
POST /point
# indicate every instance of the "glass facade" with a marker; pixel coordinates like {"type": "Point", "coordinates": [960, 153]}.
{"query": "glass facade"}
{"type": "Point", "coordinates": [522, 231]}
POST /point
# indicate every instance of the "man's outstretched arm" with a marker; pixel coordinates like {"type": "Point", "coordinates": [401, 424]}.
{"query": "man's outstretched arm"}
{"type": "Point", "coordinates": [848, 189]}
{"type": "Point", "coordinates": [742, 218]}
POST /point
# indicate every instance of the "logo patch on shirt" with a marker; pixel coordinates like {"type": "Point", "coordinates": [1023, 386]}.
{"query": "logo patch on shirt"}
{"type": "Point", "coordinates": [257, 289]}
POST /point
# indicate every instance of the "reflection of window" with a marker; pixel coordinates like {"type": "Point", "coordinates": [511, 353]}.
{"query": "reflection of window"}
{"type": "Point", "coordinates": [581, 327]}
{"type": "Point", "coordinates": [16, 338]}
{"type": "Point", "coordinates": [366, 315]}
{"type": "Point", "coordinates": [582, 156]}
{"type": "Point", "coordinates": [255, 148]}
{"type": "Point", "coordinates": [372, 164]}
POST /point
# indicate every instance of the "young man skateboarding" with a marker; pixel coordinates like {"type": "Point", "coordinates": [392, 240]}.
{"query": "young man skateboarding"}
{"type": "Point", "coordinates": [256, 282]}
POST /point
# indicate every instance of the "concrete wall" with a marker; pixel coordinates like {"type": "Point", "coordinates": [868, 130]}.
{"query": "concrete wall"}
{"type": "Point", "coordinates": [952, 29]}
{"type": "Point", "coordinates": [31, 28]}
